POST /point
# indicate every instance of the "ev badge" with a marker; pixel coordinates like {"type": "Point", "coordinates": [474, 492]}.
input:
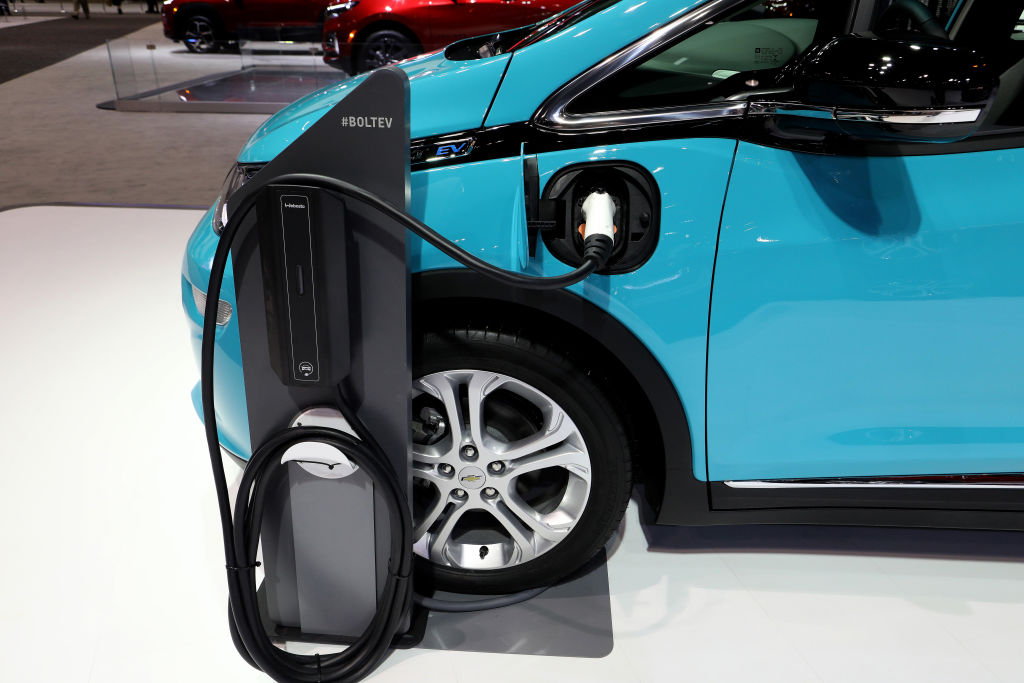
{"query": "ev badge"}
{"type": "Point", "coordinates": [472, 477]}
{"type": "Point", "coordinates": [451, 150]}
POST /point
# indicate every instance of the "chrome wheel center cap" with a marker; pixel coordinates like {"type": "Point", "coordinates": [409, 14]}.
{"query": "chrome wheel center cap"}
{"type": "Point", "coordinates": [472, 477]}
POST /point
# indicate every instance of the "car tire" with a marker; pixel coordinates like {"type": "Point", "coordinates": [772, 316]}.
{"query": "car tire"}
{"type": "Point", "coordinates": [200, 34]}
{"type": "Point", "coordinates": [510, 531]}
{"type": "Point", "coordinates": [384, 47]}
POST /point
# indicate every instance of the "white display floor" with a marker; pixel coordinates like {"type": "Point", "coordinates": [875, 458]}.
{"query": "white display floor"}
{"type": "Point", "coordinates": [111, 567]}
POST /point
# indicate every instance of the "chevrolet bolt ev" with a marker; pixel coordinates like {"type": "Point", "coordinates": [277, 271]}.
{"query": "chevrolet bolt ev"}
{"type": "Point", "coordinates": [814, 312]}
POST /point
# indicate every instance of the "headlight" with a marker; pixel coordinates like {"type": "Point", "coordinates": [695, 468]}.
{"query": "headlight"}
{"type": "Point", "coordinates": [339, 7]}
{"type": "Point", "coordinates": [236, 177]}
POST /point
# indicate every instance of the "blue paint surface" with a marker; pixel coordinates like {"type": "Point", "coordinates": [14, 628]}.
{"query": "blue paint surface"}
{"type": "Point", "coordinates": [445, 96]}
{"type": "Point", "coordinates": [665, 302]}
{"type": "Point", "coordinates": [868, 317]}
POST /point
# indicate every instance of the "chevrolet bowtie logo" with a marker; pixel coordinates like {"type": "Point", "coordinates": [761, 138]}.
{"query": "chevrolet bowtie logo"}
{"type": "Point", "coordinates": [470, 478]}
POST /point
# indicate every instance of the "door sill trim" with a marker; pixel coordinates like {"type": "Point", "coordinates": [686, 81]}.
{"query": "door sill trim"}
{"type": "Point", "coordinates": [954, 482]}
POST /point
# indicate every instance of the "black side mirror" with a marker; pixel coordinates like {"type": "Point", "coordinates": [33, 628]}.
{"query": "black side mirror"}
{"type": "Point", "coordinates": [904, 90]}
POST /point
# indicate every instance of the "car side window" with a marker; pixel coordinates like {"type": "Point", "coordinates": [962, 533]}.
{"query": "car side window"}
{"type": "Point", "coordinates": [740, 51]}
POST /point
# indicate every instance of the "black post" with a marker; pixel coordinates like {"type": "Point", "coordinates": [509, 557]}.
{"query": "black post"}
{"type": "Point", "coordinates": [321, 286]}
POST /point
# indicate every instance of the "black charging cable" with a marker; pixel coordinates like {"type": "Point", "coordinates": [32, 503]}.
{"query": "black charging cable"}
{"type": "Point", "coordinates": [241, 531]}
{"type": "Point", "coordinates": [597, 248]}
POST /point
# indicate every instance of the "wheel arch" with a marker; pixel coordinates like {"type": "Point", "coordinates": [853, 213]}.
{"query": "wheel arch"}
{"type": "Point", "coordinates": [386, 21]}
{"type": "Point", "coordinates": [657, 425]}
{"type": "Point", "coordinates": [381, 23]}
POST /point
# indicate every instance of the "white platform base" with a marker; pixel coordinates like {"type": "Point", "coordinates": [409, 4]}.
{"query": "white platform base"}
{"type": "Point", "coordinates": [111, 561]}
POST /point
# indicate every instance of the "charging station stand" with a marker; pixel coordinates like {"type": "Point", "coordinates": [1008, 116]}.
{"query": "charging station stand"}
{"type": "Point", "coordinates": [322, 293]}
{"type": "Point", "coordinates": [321, 286]}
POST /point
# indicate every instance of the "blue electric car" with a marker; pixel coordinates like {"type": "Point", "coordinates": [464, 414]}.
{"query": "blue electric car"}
{"type": "Point", "coordinates": [814, 312]}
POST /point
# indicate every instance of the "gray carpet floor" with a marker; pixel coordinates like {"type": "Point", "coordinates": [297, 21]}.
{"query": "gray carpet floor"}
{"type": "Point", "coordinates": [56, 146]}
{"type": "Point", "coordinates": [24, 49]}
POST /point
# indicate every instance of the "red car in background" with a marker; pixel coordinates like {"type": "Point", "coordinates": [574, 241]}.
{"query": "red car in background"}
{"type": "Point", "coordinates": [205, 25]}
{"type": "Point", "coordinates": [360, 35]}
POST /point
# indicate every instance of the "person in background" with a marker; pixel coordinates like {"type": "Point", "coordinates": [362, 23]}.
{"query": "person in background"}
{"type": "Point", "coordinates": [151, 7]}
{"type": "Point", "coordinates": [85, 8]}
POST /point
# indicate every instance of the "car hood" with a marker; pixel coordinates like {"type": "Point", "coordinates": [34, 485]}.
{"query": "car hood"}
{"type": "Point", "coordinates": [446, 96]}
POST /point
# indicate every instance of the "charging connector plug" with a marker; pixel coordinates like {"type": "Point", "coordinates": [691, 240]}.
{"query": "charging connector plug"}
{"type": "Point", "coordinates": [598, 227]}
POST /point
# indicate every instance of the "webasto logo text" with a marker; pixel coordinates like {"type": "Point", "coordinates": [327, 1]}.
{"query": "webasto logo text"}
{"type": "Point", "coordinates": [366, 121]}
{"type": "Point", "coordinates": [289, 205]}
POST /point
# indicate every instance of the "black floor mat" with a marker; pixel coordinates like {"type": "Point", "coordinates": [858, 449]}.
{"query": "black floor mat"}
{"type": "Point", "coordinates": [24, 49]}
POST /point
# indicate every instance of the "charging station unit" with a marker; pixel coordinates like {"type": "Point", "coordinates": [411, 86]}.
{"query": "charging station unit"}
{"type": "Point", "coordinates": [317, 245]}
{"type": "Point", "coordinates": [323, 307]}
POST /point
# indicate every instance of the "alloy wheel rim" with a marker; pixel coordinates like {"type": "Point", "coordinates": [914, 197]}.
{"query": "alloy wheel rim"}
{"type": "Point", "coordinates": [504, 477]}
{"type": "Point", "coordinates": [384, 51]}
{"type": "Point", "coordinates": [199, 34]}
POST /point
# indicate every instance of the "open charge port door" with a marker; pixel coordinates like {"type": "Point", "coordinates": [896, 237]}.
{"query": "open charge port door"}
{"type": "Point", "coordinates": [557, 214]}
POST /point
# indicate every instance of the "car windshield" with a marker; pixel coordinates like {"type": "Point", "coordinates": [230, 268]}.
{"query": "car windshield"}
{"type": "Point", "coordinates": [507, 41]}
{"type": "Point", "coordinates": [743, 50]}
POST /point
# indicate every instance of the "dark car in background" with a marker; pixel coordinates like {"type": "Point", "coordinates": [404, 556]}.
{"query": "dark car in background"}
{"type": "Point", "coordinates": [360, 35]}
{"type": "Point", "coordinates": [206, 25]}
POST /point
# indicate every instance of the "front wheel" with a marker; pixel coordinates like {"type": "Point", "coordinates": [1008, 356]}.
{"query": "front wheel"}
{"type": "Point", "coordinates": [521, 468]}
{"type": "Point", "coordinates": [384, 47]}
{"type": "Point", "coordinates": [199, 35]}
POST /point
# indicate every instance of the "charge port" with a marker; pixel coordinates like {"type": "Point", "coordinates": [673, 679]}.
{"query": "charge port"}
{"type": "Point", "coordinates": [559, 212]}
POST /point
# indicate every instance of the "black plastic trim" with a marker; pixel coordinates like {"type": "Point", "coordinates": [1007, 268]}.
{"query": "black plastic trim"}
{"type": "Point", "coordinates": [531, 191]}
{"type": "Point", "coordinates": [725, 497]}
{"type": "Point", "coordinates": [509, 140]}
{"type": "Point", "coordinates": [856, 514]}
{"type": "Point", "coordinates": [498, 142]}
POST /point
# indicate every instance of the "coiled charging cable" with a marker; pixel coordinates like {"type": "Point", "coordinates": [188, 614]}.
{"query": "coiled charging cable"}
{"type": "Point", "coordinates": [241, 531]}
